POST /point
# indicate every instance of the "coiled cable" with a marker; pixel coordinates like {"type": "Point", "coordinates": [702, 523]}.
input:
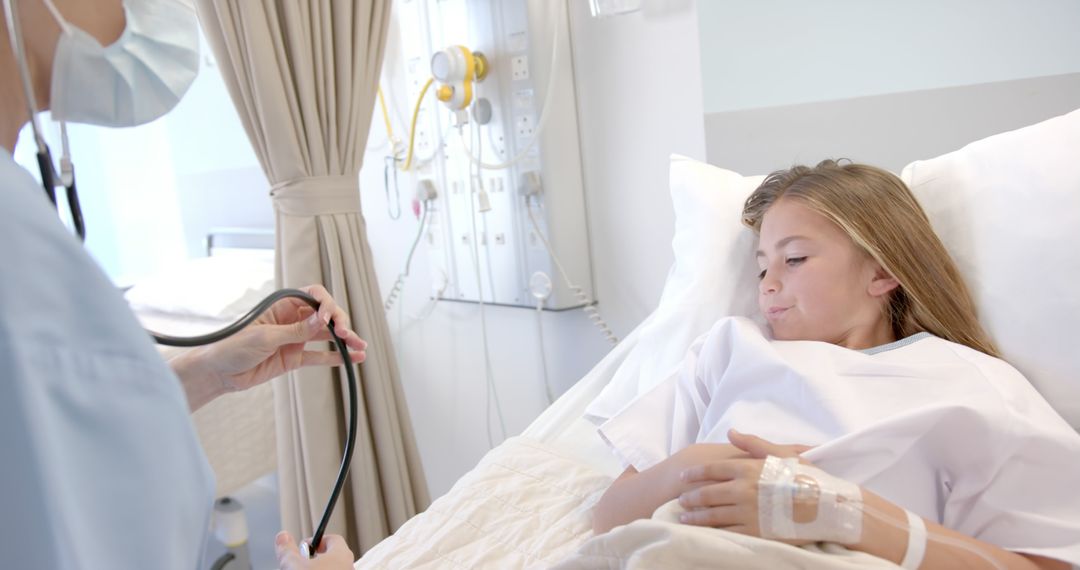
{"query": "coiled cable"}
{"type": "Point", "coordinates": [244, 321]}
{"type": "Point", "coordinates": [579, 292]}
{"type": "Point", "coordinates": [399, 285]}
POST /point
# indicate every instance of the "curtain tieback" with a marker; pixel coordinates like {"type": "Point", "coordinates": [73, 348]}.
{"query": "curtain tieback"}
{"type": "Point", "coordinates": [317, 195]}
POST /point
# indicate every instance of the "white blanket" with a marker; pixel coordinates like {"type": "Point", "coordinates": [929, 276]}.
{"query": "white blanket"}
{"type": "Point", "coordinates": [661, 544]}
{"type": "Point", "coordinates": [525, 505]}
{"type": "Point", "coordinates": [529, 505]}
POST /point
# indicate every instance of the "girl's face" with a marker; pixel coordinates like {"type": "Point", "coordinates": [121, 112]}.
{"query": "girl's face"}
{"type": "Point", "coordinates": [816, 284]}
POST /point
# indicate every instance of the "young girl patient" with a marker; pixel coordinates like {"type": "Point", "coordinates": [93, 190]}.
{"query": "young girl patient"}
{"type": "Point", "coordinates": [875, 365]}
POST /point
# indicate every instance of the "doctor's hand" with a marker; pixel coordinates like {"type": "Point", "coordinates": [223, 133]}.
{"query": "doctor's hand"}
{"type": "Point", "coordinates": [274, 343]}
{"type": "Point", "coordinates": [726, 492]}
{"type": "Point", "coordinates": [270, 346]}
{"type": "Point", "coordinates": [333, 554]}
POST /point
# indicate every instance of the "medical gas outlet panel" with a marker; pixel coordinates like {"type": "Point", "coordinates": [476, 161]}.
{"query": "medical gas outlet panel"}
{"type": "Point", "coordinates": [489, 84]}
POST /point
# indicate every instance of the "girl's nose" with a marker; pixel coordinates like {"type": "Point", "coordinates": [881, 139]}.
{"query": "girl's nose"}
{"type": "Point", "coordinates": [768, 284]}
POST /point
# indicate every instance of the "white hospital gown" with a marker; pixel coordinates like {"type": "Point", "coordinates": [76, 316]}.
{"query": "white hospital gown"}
{"type": "Point", "coordinates": [100, 464]}
{"type": "Point", "coordinates": [945, 431]}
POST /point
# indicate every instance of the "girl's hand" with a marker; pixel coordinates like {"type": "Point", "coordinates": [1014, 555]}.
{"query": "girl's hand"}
{"type": "Point", "coordinates": [728, 493]}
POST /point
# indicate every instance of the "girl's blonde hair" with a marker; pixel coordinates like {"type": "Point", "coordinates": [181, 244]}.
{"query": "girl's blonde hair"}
{"type": "Point", "coordinates": [881, 215]}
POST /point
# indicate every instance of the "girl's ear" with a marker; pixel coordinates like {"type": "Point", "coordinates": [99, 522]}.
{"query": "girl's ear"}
{"type": "Point", "coordinates": [882, 282]}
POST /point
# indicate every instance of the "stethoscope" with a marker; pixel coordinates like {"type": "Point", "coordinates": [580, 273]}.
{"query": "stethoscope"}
{"type": "Point", "coordinates": [66, 177]}
{"type": "Point", "coordinates": [307, 549]}
{"type": "Point", "coordinates": [49, 175]}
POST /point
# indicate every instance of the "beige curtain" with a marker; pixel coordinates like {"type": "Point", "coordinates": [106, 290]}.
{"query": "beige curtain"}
{"type": "Point", "coordinates": [303, 75]}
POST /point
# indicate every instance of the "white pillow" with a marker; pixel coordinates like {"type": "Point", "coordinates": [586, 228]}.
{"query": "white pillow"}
{"type": "Point", "coordinates": [220, 287]}
{"type": "Point", "coordinates": [1008, 209]}
{"type": "Point", "coordinates": [714, 275]}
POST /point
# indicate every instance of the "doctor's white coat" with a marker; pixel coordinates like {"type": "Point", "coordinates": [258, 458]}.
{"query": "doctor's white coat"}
{"type": "Point", "coordinates": [100, 465]}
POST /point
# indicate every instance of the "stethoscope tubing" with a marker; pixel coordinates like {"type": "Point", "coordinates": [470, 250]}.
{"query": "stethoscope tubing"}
{"type": "Point", "coordinates": [244, 321]}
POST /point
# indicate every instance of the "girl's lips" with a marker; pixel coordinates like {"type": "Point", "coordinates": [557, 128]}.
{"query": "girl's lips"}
{"type": "Point", "coordinates": [775, 312]}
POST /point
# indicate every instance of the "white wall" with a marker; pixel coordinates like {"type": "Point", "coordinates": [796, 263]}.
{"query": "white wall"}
{"type": "Point", "coordinates": [781, 52]}
{"type": "Point", "coordinates": [639, 99]}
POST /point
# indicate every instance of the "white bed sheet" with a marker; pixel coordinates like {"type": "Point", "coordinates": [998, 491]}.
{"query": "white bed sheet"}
{"type": "Point", "coordinates": [563, 425]}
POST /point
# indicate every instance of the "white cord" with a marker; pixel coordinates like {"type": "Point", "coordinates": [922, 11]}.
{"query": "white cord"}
{"type": "Point", "coordinates": [479, 181]}
{"type": "Point", "coordinates": [544, 111]}
{"type": "Point", "coordinates": [543, 352]}
{"type": "Point", "coordinates": [590, 308]}
{"type": "Point", "coordinates": [491, 391]}
{"type": "Point", "coordinates": [398, 343]}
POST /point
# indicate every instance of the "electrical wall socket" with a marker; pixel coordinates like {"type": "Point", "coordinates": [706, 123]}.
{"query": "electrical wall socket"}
{"type": "Point", "coordinates": [524, 126]}
{"type": "Point", "coordinates": [519, 67]}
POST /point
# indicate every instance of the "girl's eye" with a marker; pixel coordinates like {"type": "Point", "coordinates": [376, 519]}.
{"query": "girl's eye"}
{"type": "Point", "coordinates": [796, 260]}
{"type": "Point", "coordinates": [761, 275]}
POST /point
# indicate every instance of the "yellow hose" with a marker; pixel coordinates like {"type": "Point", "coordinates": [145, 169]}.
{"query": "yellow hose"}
{"type": "Point", "coordinates": [386, 118]}
{"type": "Point", "coordinates": [412, 127]}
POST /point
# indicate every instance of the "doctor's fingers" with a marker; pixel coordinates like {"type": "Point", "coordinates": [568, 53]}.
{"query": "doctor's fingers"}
{"type": "Point", "coordinates": [307, 330]}
{"type": "Point", "coordinates": [334, 548]}
{"type": "Point", "coordinates": [349, 337]}
{"type": "Point", "coordinates": [288, 553]}
{"type": "Point", "coordinates": [328, 358]}
{"type": "Point", "coordinates": [334, 554]}
{"type": "Point", "coordinates": [328, 309]}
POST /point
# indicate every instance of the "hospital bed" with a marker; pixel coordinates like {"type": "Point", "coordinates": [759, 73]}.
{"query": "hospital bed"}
{"type": "Point", "coordinates": [527, 503]}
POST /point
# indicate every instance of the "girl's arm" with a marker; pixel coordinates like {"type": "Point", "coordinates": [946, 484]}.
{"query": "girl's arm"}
{"type": "Point", "coordinates": [724, 494]}
{"type": "Point", "coordinates": [890, 542]}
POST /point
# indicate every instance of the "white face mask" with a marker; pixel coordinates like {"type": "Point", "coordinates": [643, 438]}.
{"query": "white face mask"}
{"type": "Point", "coordinates": [136, 79]}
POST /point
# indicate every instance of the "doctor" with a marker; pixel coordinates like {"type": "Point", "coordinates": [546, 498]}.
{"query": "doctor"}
{"type": "Point", "coordinates": [99, 465]}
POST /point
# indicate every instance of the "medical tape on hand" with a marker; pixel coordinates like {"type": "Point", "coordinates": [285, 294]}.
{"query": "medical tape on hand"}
{"type": "Point", "coordinates": [827, 508]}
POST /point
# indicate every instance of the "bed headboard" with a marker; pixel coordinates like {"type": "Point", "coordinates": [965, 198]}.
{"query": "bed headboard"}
{"type": "Point", "coordinates": [884, 130]}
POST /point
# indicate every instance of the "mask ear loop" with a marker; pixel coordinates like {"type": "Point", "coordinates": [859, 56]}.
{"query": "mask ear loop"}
{"type": "Point", "coordinates": [15, 37]}
{"type": "Point", "coordinates": [49, 175]}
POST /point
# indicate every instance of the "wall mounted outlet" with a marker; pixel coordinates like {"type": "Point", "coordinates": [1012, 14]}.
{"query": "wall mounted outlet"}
{"type": "Point", "coordinates": [519, 67]}
{"type": "Point", "coordinates": [524, 126]}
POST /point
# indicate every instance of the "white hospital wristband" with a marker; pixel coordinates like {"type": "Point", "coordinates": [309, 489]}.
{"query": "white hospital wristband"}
{"type": "Point", "coordinates": [916, 542]}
